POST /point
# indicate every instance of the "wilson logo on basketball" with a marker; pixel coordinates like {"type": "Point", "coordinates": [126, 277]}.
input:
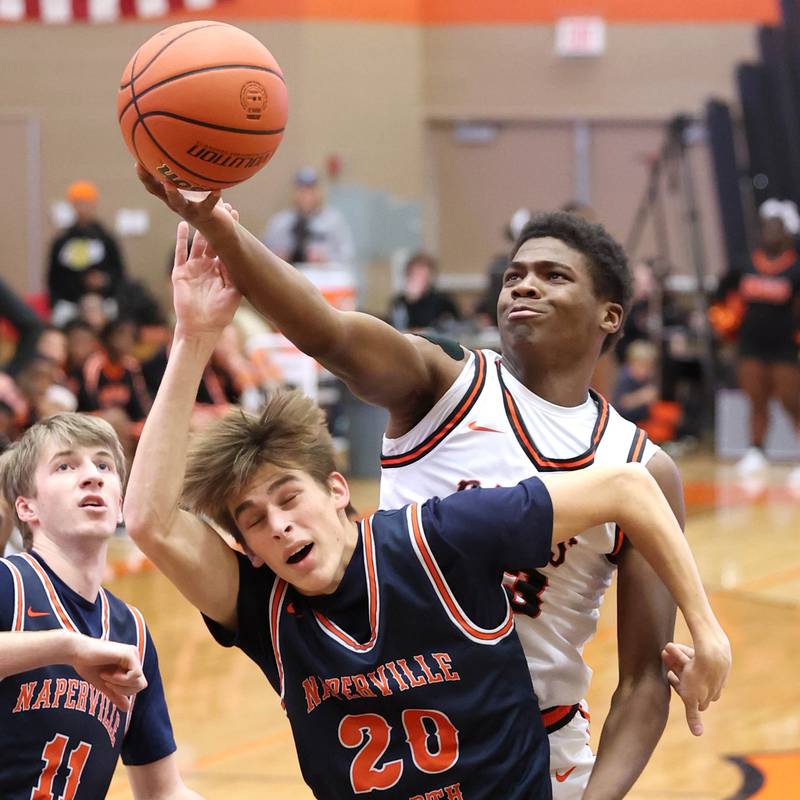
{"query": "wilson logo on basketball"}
{"type": "Point", "coordinates": [241, 160]}
{"type": "Point", "coordinates": [178, 181]}
{"type": "Point", "coordinates": [253, 98]}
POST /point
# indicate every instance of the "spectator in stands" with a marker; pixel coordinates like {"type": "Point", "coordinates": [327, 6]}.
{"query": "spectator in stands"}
{"type": "Point", "coordinates": [112, 378]}
{"type": "Point", "coordinates": [82, 341]}
{"type": "Point", "coordinates": [637, 388]}
{"type": "Point", "coordinates": [41, 392]}
{"type": "Point", "coordinates": [52, 344]}
{"type": "Point", "coordinates": [311, 231]}
{"type": "Point", "coordinates": [421, 305]}
{"type": "Point", "coordinates": [84, 258]}
{"type": "Point", "coordinates": [27, 325]}
{"type": "Point", "coordinates": [637, 396]}
{"type": "Point", "coordinates": [93, 311]}
{"type": "Point", "coordinates": [769, 286]}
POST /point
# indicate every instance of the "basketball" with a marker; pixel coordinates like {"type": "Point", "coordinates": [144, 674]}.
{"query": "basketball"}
{"type": "Point", "coordinates": [203, 105]}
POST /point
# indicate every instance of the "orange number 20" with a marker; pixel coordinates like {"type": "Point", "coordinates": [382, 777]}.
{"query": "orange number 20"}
{"type": "Point", "coordinates": [371, 732]}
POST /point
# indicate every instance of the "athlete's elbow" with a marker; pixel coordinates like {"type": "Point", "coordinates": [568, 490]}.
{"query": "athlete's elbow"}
{"type": "Point", "coordinates": [141, 523]}
{"type": "Point", "coordinates": [633, 487]}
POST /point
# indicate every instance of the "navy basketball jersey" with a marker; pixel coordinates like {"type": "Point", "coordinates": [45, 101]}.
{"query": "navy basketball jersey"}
{"type": "Point", "coordinates": [409, 680]}
{"type": "Point", "coordinates": [60, 737]}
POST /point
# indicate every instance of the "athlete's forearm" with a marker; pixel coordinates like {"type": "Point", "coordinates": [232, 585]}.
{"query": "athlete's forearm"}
{"type": "Point", "coordinates": [636, 719]}
{"type": "Point", "coordinates": [276, 289]}
{"type": "Point", "coordinates": [645, 516]}
{"type": "Point", "coordinates": [154, 488]}
{"type": "Point", "coordinates": [23, 651]}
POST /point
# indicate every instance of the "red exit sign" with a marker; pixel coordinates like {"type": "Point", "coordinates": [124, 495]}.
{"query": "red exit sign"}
{"type": "Point", "coordinates": [580, 36]}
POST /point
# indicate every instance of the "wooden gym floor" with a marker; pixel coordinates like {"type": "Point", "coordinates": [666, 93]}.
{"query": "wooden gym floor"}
{"type": "Point", "coordinates": [234, 740]}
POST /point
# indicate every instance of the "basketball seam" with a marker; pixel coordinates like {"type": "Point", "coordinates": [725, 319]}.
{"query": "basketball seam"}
{"type": "Point", "coordinates": [212, 125]}
{"type": "Point", "coordinates": [169, 155]}
{"type": "Point", "coordinates": [150, 62]}
{"type": "Point", "coordinates": [195, 72]}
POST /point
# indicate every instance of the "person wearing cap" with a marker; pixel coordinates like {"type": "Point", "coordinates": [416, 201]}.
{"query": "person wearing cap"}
{"type": "Point", "coordinates": [84, 258]}
{"type": "Point", "coordinates": [767, 365]}
{"type": "Point", "coordinates": [310, 231]}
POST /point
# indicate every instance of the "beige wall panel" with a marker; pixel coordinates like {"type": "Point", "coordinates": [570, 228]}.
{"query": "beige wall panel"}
{"type": "Point", "coordinates": [505, 71]}
{"type": "Point", "coordinates": [15, 198]}
{"type": "Point", "coordinates": [478, 187]}
{"type": "Point", "coordinates": [620, 174]}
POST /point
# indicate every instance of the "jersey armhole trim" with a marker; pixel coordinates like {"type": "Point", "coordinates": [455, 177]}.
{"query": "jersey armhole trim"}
{"type": "Point", "coordinates": [635, 454]}
{"type": "Point", "coordinates": [18, 620]}
{"type": "Point", "coordinates": [456, 415]}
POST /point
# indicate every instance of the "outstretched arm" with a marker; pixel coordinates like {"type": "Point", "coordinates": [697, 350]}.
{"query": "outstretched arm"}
{"type": "Point", "coordinates": [379, 364]}
{"type": "Point", "coordinates": [629, 495]}
{"type": "Point", "coordinates": [182, 546]}
{"type": "Point", "coordinates": [645, 624]}
{"type": "Point", "coordinates": [112, 667]}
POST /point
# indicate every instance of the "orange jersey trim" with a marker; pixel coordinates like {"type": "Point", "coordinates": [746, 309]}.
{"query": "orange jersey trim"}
{"type": "Point", "coordinates": [773, 266]}
{"type": "Point", "coordinates": [279, 588]}
{"type": "Point", "coordinates": [557, 717]}
{"type": "Point", "coordinates": [636, 454]}
{"type": "Point", "coordinates": [543, 463]}
{"type": "Point", "coordinates": [452, 607]}
{"type": "Point", "coordinates": [18, 622]}
{"type": "Point", "coordinates": [52, 595]}
{"type": "Point", "coordinates": [370, 567]}
{"type": "Point", "coordinates": [458, 414]}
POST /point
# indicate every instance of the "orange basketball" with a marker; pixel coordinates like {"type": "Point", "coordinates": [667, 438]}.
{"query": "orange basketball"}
{"type": "Point", "coordinates": [203, 105]}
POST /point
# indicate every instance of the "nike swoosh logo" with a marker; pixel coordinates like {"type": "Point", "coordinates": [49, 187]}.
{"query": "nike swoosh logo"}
{"type": "Point", "coordinates": [32, 613]}
{"type": "Point", "coordinates": [562, 776]}
{"type": "Point", "coordinates": [473, 426]}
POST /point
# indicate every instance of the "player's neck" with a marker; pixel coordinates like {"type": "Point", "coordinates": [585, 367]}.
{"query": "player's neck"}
{"type": "Point", "coordinates": [559, 380]}
{"type": "Point", "coordinates": [80, 564]}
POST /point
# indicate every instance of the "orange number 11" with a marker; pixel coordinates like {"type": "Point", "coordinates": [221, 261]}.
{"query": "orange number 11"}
{"type": "Point", "coordinates": [53, 755]}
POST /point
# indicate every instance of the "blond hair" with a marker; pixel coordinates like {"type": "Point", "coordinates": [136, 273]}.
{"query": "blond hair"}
{"type": "Point", "coordinates": [224, 459]}
{"type": "Point", "coordinates": [641, 350]}
{"type": "Point", "coordinates": [18, 464]}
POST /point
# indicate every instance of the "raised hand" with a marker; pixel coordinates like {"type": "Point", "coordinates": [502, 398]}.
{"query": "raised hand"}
{"type": "Point", "coordinates": [698, 677]}
{"type": "Point", "coordinates": [111, 667]}
{"type": "Point", "coordinates": [205, 300]}
{"type": "Point", "coordinates": [198, 214]}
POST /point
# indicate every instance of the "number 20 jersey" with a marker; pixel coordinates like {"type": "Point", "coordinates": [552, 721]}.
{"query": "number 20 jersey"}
{"type": "Point", "coordinates": [408, 681]}
{"type": "Point", "coordinates": [490, 430]}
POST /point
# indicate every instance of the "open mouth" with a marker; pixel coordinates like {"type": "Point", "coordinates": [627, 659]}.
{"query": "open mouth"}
{"type": "Point", "coordinates": [92, 502]}
{"type": "Point", "coordinates": [298, 556]}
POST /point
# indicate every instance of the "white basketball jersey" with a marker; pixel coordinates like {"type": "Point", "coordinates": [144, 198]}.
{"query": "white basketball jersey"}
{"type": "Point", "coordinates": [490, 430]}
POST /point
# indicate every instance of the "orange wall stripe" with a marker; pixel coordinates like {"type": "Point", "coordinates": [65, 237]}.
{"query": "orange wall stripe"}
{"type": "Point", "coordinates": [441, 12]}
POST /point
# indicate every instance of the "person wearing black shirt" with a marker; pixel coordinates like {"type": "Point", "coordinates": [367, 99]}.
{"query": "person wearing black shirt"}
{"type": "Point", "coordinates": [421, 304]}
{"type": "Point", "coordinates": [84, 258]}
{"type": "Point", "coordinates": [769, 287]}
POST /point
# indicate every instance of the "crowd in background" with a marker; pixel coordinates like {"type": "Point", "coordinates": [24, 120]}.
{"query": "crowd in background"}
{"type": "Point", "coordinates": [100, 344]}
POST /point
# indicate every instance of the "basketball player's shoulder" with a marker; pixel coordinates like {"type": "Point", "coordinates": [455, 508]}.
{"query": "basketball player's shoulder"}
{"type": "Point", "coordinates": [438, 346]}
{"type": "Point", "coordinates": [443, 360]}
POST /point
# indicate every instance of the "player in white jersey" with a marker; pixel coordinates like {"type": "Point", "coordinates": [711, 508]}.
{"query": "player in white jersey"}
{"type": "Point", "coordinates": [497, 431]}
{"type": "Point", "coordinates": [562, 304]}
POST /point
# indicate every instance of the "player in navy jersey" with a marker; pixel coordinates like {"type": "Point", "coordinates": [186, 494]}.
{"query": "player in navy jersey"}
{"type": "Point", "coordinates": [562, 303]}
{"type": "Point", "coordinates": [390, 642]}
{"type": "Point", "coordinates": [79, 678]}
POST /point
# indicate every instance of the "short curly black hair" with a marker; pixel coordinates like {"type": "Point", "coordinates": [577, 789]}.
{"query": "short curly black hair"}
{"type": "Point", "coordinates": [608, 264]}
